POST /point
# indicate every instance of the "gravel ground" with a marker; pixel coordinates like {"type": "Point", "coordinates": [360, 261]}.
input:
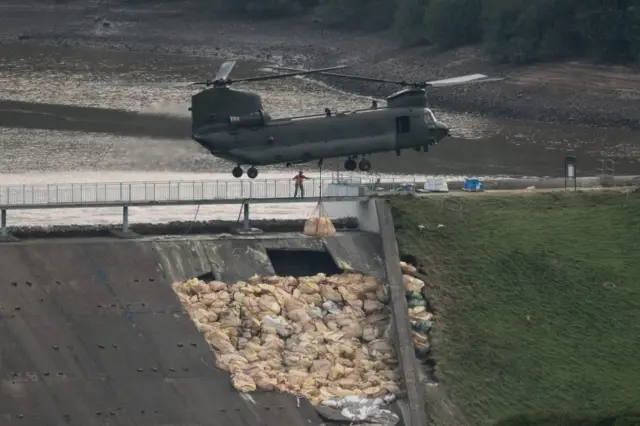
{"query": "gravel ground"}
{"type": "Point", "coordinates": [564, 92]}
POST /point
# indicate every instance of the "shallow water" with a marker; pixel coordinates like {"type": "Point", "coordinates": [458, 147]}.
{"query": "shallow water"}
{"type": "Point", "coordinates": [478, 145]}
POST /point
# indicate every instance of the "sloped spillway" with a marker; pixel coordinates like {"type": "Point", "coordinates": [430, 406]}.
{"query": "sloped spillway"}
{"type": "Point", "coordinates": [91, 334]}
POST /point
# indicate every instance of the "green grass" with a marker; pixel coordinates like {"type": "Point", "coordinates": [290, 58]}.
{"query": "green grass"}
{"type": "Point", "coordinates": [538, 300]}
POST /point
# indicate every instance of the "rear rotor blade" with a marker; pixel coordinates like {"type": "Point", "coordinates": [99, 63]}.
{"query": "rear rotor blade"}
{"type": "Point", "coordinates": [289, 74]}
{"type": "Point", "coordinates": [224, 70]}
{"type": "Point", "coordinates": [465, 79]}
{"type": "Point", "coordinates": [353, 77]}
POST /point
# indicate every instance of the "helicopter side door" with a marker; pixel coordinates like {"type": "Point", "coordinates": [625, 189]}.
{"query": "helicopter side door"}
{"type": "Point", "coordinates": [403, 132]}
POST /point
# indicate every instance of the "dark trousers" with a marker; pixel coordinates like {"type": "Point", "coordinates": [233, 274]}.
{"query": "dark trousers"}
{"type": "Point", "coordinates": [301, 187]}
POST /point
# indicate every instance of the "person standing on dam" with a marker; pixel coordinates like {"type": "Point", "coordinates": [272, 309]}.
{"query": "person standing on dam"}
{"type": "Point", "coordinates": [299, 179]}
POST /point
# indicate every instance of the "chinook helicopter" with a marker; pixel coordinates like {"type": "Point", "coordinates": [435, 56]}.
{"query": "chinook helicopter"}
{"type": "Point", "coordinates": [233, 125]}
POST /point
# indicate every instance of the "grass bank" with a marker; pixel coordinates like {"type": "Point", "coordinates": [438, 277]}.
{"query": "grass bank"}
{"type": "Point", "coordinates": [538, 303]}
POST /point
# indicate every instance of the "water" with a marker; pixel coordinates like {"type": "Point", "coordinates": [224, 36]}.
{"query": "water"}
{"type": "Point", "coordinates": [52, 144]}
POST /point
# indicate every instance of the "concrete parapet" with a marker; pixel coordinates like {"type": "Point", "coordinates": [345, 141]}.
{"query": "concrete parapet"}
{"type": "Point", "coordinates": [404, 341]}
{"type": "Point", "coordinates": [359, 252]}
{"type": "Point", "coordinates": [363, 211]}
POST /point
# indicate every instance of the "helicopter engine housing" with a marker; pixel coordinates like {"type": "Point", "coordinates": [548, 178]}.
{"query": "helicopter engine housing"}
{"type": "Point", "coordinates": [220, 103]}
{"type": "Point", "coordinates": [408, 98]}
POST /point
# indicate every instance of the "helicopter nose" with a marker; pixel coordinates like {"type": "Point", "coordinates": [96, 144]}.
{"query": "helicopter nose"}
{"type": "Point", "coordinates": [442, 130]}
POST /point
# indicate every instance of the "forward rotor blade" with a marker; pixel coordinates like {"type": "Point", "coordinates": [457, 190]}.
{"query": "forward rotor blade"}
{"type": "Point", "coordinates": [165, 85]}
{"type": "Point", "coordinates": [465, 79]}
{"type": "Point", "coordinates": [224, 70]}
{"type": "Point", "coordinates": [353, 77]}
{"type": "Point", "coordinates": [289, 74]}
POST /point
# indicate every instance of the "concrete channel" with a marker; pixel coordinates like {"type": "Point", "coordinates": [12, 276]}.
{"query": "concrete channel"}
{"type": "Point", "coordinates": [91, 332]}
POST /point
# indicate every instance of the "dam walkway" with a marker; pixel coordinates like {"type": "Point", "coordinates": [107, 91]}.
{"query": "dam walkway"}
{"type": "Point", "coordinates": [68, 195]}
{"type": "Point", "coordinates": [171, 193]}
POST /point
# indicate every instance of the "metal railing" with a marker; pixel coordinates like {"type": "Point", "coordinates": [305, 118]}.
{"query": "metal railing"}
{"type": "Point", "coordinates": [121, 193]}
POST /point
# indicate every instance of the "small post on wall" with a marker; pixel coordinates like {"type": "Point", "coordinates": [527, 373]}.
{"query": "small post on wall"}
{"type": "Point", "coordinates": [247, 224]}
{"type": "Point", "coordinates": [570, 171]}
{"type": "Point", "coordinates": [125, 218]}
{"type": "Point", "coordinates": [4, 232]}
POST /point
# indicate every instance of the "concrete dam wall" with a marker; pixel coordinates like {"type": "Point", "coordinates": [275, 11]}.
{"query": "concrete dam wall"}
{"type": "Point", "coordinates": [91, 332]}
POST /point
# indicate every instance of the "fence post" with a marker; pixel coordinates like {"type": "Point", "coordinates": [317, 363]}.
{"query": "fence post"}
{"type": "Point", "coordinates": [125, 218]}
{"type": "Point", "coordinates": [245, 207]}
{"type": "Point", "coordinates": [4, 232]}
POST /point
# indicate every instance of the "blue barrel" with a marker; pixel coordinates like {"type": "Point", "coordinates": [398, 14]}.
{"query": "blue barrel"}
{"type": "Point", "coordinates": [472, 184]}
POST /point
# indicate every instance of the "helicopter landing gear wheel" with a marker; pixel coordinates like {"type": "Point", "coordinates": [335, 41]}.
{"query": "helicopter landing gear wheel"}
{"type": "Point", "coordinates": [252, 173]}
{"type": "Point", "coordinates": [237, 172]}
{"type": "Point", "coordinates": [364, 165]}
{"type": "Point", "coordinates": [350, 165]}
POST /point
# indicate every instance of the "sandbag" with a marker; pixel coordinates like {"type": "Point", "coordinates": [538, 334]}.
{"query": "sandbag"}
{"type": "Point", "coordinates": [272, 342]}
{"type": "Point", "coordinates": [319, 337]}
{"type": "Point", "coordinates": [329, 293]}
{"type": "Point", "coordinates": [370, 333]}
{"type": "Point", "coordinates": [216, 286]}
{"type": "Point", "coordinates": [232, 362]}
{"type": "Point", "coordinates": [321, 368]}
{"type": "Point", "coordinates": [412, 284]}
{"type": "Point", "coordinates": [243, 382]}
{"type": "Point", "coordinates": [220, 341]}
{"type": "Point", "coordinates": [299, 315]}
{"type": "Point", "coordinates": [312, 299]}
{"type": "Point", "coordinates": [325, 228]}
{"type": "Point", "coordinates": [421, 344]}
{"type": "Point", "coordinates": [372, 306]}
{"type": "Point", "coordinates": [230, 318]}
{"type": "Point", "coordinates": [370, 284]}
{"type": "Point", "coordinates": [353, 330]}
{"type": "Point", "coordinates": [415, 299]}
{"type": "Point", "coordinates": [311, 227]}
{"type": "Point", "coordinates": [319, 224]}
{"type": "Point", "coordinates": [308, 286]}
{"type": "Point", "coordinates": [345, 294]}
{"type": "Point", "coordinates": [282, 327]}
{"type": "Point", "coordinates": [269, 305]}
{"type": "Point", "coordinates": [407, 268]}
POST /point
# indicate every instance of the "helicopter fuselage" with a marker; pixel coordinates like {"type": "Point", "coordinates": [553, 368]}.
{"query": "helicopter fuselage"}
{"type": "Point", "coordinates": [252, 140]}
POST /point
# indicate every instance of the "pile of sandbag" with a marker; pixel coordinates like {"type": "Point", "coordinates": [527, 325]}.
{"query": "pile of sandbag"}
{"type": "Point", "coordinates": [321, 337]}
{"type": "Point", "coordinates": [419, 317]}
{"type": "Point", "coordinates": [319, 224]}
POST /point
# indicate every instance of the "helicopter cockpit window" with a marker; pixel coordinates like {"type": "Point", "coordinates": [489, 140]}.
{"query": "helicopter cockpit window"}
{"type": "Point", "coordinates": [429, 118]}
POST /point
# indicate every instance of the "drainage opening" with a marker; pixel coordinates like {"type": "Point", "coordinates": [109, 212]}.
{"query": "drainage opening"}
{"type": "Point", "coordinates": [302, 263]}
{"type": "Point", "coordinates": [409, 258]}
{"type": "Point", "coordinates": [207, 276]}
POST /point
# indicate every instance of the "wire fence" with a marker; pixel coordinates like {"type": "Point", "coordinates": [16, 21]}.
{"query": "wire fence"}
{"type": "Point", "coordinates": [158, 192]}
{"type": "Point", "coordinates": [120, 193]}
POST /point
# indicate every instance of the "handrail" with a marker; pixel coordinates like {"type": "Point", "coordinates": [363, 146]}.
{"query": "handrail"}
{"type": "Point", "coordinates": [149, 192]}
{"type": "Point", "coordinates": [62, 194]}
